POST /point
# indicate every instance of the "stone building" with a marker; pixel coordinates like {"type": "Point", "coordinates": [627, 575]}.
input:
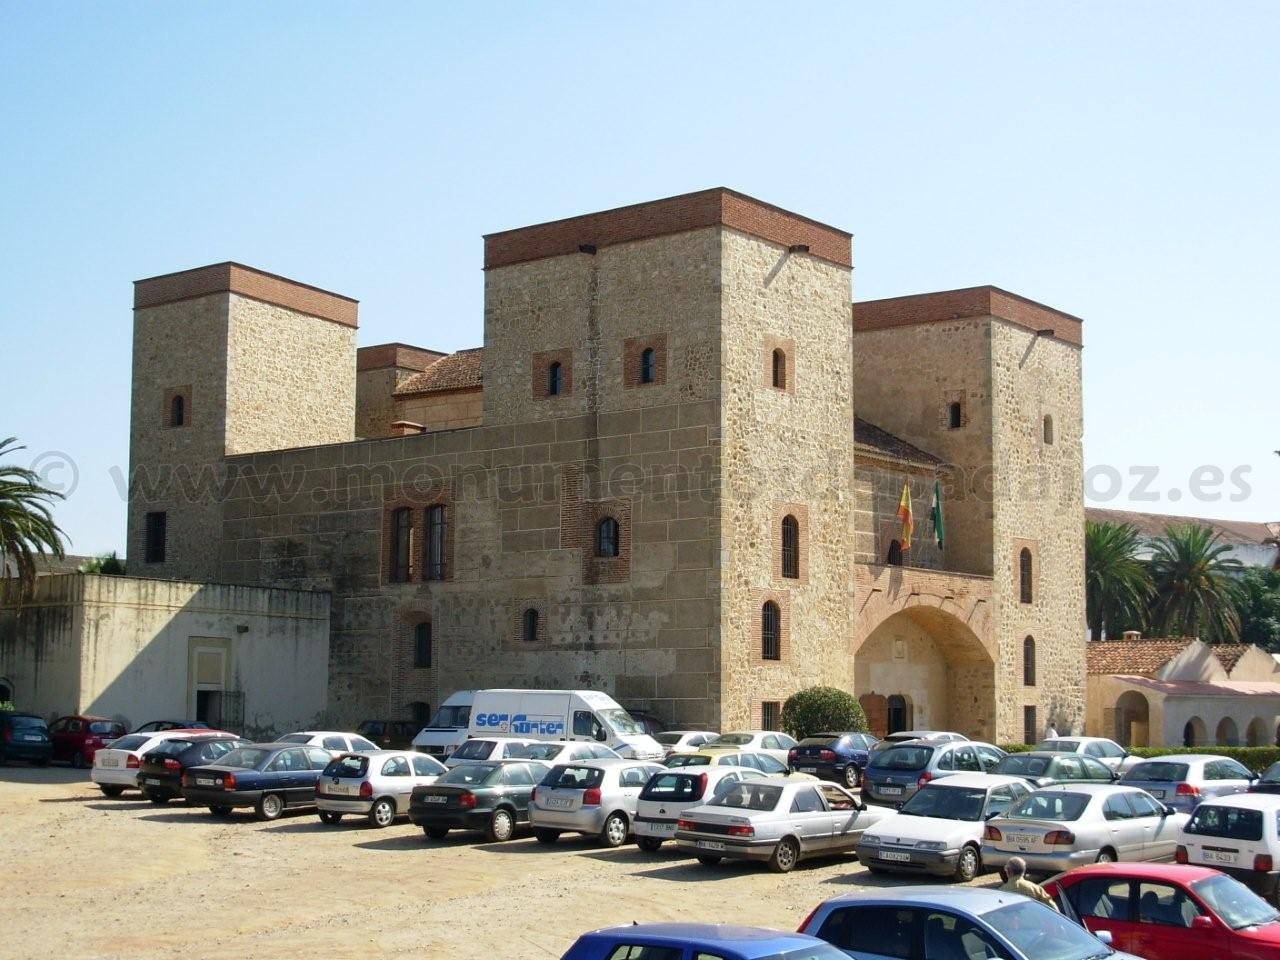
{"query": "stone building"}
{"type": "Point", "coordinates": [671, 473]}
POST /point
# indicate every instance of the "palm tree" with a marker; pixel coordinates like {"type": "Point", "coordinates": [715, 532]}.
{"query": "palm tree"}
{"type": "Point", "coordinates": [1117, 583]}
{"type": "Point", "coordinates": [27, 530]}
{"type": "Point", "coordinates": [1197, 590]}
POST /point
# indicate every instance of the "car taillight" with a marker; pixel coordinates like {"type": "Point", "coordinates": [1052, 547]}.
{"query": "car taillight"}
{"type": "Point", "coordinates": [366, 790]}
{"type": "Point", "coordinates": [1180, 855]}
{"type": "Point", "coordinates": [1187, 790]}
{"type": "Point", "coordinates": [132, 763]}
{"type": "Point", "coordinates": [467, 800]}
{"type": "Point", "coordinates": [828, 755]}
{"type": "Point", "coordinates": [702, 786]}
{"type": "Point", "coordinates": [591, 797]}
{"type": "Point", "coordinates": [533, 794]}
{"type": "Point", "coordinates": [686, 825]}
{"type": "Point", "coordinates": [792, 754]}
{"type": "Point", "coordinates": [991, 833]}
{"type": "Point", "coordinates": [172, 764]}
{"type": "Point", "coordinates": [924, 778]}
{"type": "Point", "coordinates": [1262, 863]}
{"type": "Point", "coordinates": [805, 922]}
{"type": "Point", "coordinates": [738, 831]}
{"type": "Point", "coordinates": [1059, 838]}
{"type": "Point", "coordinates": [229, 781]}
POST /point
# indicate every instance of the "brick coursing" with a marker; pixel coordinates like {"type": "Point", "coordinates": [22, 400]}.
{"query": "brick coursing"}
{"type": "Point", "coordinates": [984, 301]}
{"type": "Point", "coordinates": [247, 282]}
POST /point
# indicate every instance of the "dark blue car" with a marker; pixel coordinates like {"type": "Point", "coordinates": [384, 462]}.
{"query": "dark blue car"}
{"type": "Point", "coordinates": [692, 941]}
{"type": "Point", "coordinates": [833, 756]}
{"type": "Point", "coordinates": [270, 777]}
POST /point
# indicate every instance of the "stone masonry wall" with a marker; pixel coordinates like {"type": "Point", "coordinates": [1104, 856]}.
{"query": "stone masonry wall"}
{"type": "Point", "coordinates": [442, 411]}
{"type": "Point", "coordinates": [877, 493]}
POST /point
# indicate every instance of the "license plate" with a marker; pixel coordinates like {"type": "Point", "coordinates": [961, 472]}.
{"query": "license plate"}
{"type": "Point", "coordinates": [152, 781]}
{"type": "Point", "coordinates": [891, 791]}
{"type": "Point", "coordinates": [710, 845]}
{"type": "Point", "coordinates": [345, 789]}
{"type": "Point", "coordinates": [1158, 794]}
{"type": "Point", "coordinates": [1022, 837]}
{"type": "Point", "coordinates": [111, 761]}
{"type": "Point", "coordinates": [666, 828]}
{"type": "Point", "coordinates": [206, 782]}
{"type": "Point", "coordinates": [33, 739]}
{"type": "Point", "coordinates": [895, 856]}
{"type": "Point", "coordinates": [808, 769]}
{"type": "Point", "coordinates": [558, 803]}
{"type": "Point", "coordinates": [432, 798]}
{"type": "Point", "coordinates": [1218, 856]}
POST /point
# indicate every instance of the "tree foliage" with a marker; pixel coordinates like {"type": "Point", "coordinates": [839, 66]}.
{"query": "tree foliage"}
{"type": "Point", "coordinates": [1259, 608]}
{"type": "Point", "coordinates": [27, 530]}
{"type": "Point", "coordinates": [1196, 585]}
{"type": "Point", "coordinates": [1117, 583]}
{"type": "Point", "coordinates": [106, 565]}
{"type": "Point", "coordinates": [821, 710]}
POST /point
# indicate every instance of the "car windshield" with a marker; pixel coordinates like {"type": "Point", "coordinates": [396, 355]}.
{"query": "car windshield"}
{"type": "Point", "coordinates": [295, 738]}
{"type": "Point", "coordinates": [245, 758]}
{"type": "Point", "coordinates": [946, 803]}
{"type": "Point", "coordinates": [27, 723]}
{"type": "Point", "coordinates": [1236, 904]}
{"type": "Point", "coordinates": [1160, 771]}
{"type": "Point", "coordinates": [1041, 932]}
{"type": "Point", "coordinates": [347, 766]}
{"type": "Point", "coordinates": [689, 760]}
{"type": "Point", "coordinates": [446, 716]}
{"type": "Point", "coordinates": [1058, 746]}
{"type": "Point", "coordinates": [470, 774]}
{"type": "Point", "coordinates": [537, 751]}
{"type": "Point", "coordinates": [130, 741]}
{"type": "Point", "coordinates": [1021, 765]}
{"type": "Point", "coordinates": [902, 758]}
{"type": "Point", "coordinates": [620, 722]}
{"type": "Point", "coordinates": [748, 796]}
{"type": "Point", "coordinates": [1050, 806]}
{"type": "Point", "coordinates": [473, 750]}
{"type": "Point", "coordinates": [730, 740]}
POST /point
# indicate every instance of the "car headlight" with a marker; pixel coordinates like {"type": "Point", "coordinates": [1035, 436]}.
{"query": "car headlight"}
{"type": "Point", "coordinates": [930, 845]}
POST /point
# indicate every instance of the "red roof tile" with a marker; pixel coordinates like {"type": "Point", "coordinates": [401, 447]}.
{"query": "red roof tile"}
{"type": "Point", "coordinates": [458, 371]}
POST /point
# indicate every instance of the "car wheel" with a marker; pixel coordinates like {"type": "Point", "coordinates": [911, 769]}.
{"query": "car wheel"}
{"type": "Point", "coordinates": [436, 833]}
{"type": "Point", "coordinates": [1106, 855]}
{"type": "Point", "coordinates": [159, 799]}
{"type": "Point", "coordinates": [382, 813]}
{"type": "Point", "coordinates": [219, 809]}
{"type": "Point", "coordinates": [852, 776]}
{"type": "Point", "coordinates": [546, 836]}
{"type": "Point", "coordinates": [709, 859]}
{"type": "Point", "coordinates": [615, 830]}
{"type": "Point", "coordinates": [649, 844]}
{"type": "Point", "coordinates": [785, 855]}
{"type": "Point", "coordinates": [78, 760]}
{"type": "Point", "coordinates": [502, 826]}
{"type": "Point", "coordinates": [269, 806]}
{"type": "Point", "coordinates": [330, 816]}
{"type": "Point", "coordinates": [967, 865]}
{"type": "Point", "coordinates": [111, 790]}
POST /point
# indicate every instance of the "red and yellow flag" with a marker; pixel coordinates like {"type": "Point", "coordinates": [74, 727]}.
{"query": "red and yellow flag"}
{"type": "Point", "coordinates": [904, 514]}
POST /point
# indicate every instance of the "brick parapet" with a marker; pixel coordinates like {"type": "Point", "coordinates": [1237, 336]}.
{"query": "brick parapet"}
{"type": "Point", "coordinates": [247, 282]}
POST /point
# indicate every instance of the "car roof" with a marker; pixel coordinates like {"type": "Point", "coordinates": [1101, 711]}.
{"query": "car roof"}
{"type": "Point", "coordinates": [975, 780]}
{"type": "Point", "coordinates": [1044, 754]}
{"type": "Point", "coordinates": [754, 941]}
{"type": "Point", "coordinates": [85, 716]}
{"type": "Point", "coordinates": [374, 754]}
{"type": "Point", "coordinates": [1187, 873]}
{"type": "Point", "coordinates": [1247, 801]}
{"type": "Point", "coordinates": [324, 733]}
{"type": "Point", "coordinates": [972, 900]}
{"type": "Point", "coordinates": [20, 713]}
{"type": "Point", "coordinates": [608, 763]}
{"type": "Point", "coordinates": [1090, 788]}
{"type": "Point", "coordinates": [1180, 758]}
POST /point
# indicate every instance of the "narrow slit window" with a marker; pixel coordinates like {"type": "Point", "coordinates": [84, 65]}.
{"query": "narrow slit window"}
{"type": "Point", "coordinates": [648, 365]}
{"type": "Point", "coordinates": [790, 547]}
{"type": "Point", "coordinates": [770, 631]}
{"type": "Point", "coordinates": [1024, 576]}
{"type": "Point", "coordinates": [531, 625]}
{"type": "Point", "coordinates": [178, 411]}
{"type": "Point", "coordinates": [422, 645]}
{"type": "Point", "coordinates": [607, 538]}
{"type": "Point", "coordinates": [955, 416]}
{"type": "Point", "coordinates": [437, 562]}
{"type": "Point", "coordinates": [401, 538]}
{"type": "Point", "coordinates": [555, 379]}
{"type": "Point", "coordinates": [780, 369]}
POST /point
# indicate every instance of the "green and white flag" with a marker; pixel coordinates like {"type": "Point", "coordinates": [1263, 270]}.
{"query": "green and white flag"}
{"type": "Point", "coordinates": [935, 513]}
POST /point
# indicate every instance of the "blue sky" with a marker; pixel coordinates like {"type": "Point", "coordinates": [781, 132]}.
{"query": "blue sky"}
{"type": "Point", "coordinates": [1117, 161]}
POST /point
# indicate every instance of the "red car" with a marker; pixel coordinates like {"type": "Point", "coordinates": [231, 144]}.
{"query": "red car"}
{"type": "Point", "coordinates": [78, 738]}
{"type": "Point", "coordinates": [1163, 911]}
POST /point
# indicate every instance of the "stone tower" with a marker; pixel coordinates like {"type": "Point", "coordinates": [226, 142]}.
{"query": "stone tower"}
{"type": "Point", "coordinates": [226, 360]}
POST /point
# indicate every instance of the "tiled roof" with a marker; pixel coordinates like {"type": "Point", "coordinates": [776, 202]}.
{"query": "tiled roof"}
{"type": "Point", "coordinates": [1212, 688]}
{"type": "Point", "coordinates": [868, 438]}
{"type": "Point", "coordinates": [457, 371]}
{"type": "Point", "coordinates": [1152, 525]}
{"type": "Point", "coordinates": [1145, 657]}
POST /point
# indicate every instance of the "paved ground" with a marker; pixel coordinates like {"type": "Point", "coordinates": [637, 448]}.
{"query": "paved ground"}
{"type": "Point", "coordinates": [88, 877]}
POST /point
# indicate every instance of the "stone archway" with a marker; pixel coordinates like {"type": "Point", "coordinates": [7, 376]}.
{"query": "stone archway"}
{"type": "Point", "coordinates": [1256, 734]}
{"type": "Point", "coordinates": [1228, 734]}
{"type": "Point", "coordinates": [1195, 733]}
{"type": "Point", "coordinates": [1133, 720]}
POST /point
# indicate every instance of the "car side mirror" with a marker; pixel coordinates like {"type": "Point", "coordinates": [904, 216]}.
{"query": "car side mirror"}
{"type": "Point", "coordinates": [1202, 923]}
{"type": "Point", "coordinates": [1168, 811]}
{"type": "Point", "coordinates": [1104, 936]}
{"type": "Point", "coordinates": [601, 736]}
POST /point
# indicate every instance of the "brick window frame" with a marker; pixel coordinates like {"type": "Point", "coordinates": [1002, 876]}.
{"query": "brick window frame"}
{"type": "Point", "coordinates": [783, 601]}
{"type": "Point", "coordinates": [801, 514]}
{"type": "Point", "coordinates": [514, 639]}
{"type": "Point", "coordinates": [446, 561]}
{"type": "Point", "coordinates": [606, 569]}
{"type": "Point", "coordinates": [1030, 724]}
{"type": "Point", "coordinates": [418, 504]}
{"type": "Point", "coordinates": [1016, 571]}
{"type": "Point", "coordinates": [410, 683]}
{"type": "Point", "coordinates": [948, 400]}
{"type": "Point", "coordinates": [633, 349]}
{"type": "Point", "coordinates": [176, 393]}
{"type": "Point", "coordinates": [541, 363]}
{"type": "Point", "coordinates": [788, 348]}
{"type": "Point", "coordinates": [771, 715]}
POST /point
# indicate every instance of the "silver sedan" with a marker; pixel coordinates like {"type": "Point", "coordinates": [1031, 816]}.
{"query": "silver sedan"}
{"type": "Point", "coordinates": [1058, 828]}
{"type": "Point", "coordinates": [775, 821]}
{"type": "Point", "coordinates": [376, 785]}
{"type": "Point", "coordinates": [594, 797]}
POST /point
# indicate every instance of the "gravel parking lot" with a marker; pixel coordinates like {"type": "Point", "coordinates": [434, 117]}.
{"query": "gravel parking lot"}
{"type": "Point", "coordinates": [92, 877]}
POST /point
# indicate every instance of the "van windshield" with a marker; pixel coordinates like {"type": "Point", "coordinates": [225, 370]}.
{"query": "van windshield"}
{"type": "Point", "coordinates": [446, 716]}
{"type": "Point", "coordinates": [620, 722]}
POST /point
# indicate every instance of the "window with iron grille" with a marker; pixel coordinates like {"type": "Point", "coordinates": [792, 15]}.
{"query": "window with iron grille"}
{"type": "Point", "coordinates": [648, 365]}
{"type": "Point", "coordinates": [607, 538]}
{"type": "Point", "coordinates": [770, 631]}
{"type": "Point", "coordinates": [790, 547]}
{"type": "Point", "coordinates": [771, 715]}
{"type": "Point", "coordinates": [1030, 727]}
{"type": "Point", "coordinates": [422, 645]}
{"type": "Point", "coordinates": [1024, 575]}
{"type": "Point", "coordinates": [155, 537]}
{"type": "Point", "coordinates": [1029, 661]}
{"type": "Point", "coordinates": [436, 561]}
{"type": "Point", "coordinates": [401, 539]}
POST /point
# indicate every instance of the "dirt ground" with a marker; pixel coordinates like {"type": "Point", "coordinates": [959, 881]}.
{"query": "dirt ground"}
{"type": "Point", "coordinates": [89, 877]}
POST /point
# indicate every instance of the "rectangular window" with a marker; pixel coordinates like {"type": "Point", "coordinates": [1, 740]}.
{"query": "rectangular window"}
{"type": "Point", "coordinates": [436, 560]}
{"type": "Point", "coordinates": [401, 540]}
{"type": "Point", "coordinates": [1029, 725]}
{"type": "Point", "coordinates": [771, 715]}
{"type": "Point", "coordinates": [154, 537]}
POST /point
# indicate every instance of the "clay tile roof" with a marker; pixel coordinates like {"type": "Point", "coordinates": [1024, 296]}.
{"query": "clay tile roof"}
{"type": "Point", "coordinates": [868, 438]}
{"type": "Point", "coordinates": [458, 371]}
{"type": "Point", "coordinates": [1145, 657]}
{"type": "Point", "coordinates": [1230, 654]}
{"type": "Point", "coordinates": [1152, 525]}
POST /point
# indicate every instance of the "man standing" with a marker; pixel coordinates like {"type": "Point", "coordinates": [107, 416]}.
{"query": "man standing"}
{"type": "Point", "coordinates": [1016, 869]}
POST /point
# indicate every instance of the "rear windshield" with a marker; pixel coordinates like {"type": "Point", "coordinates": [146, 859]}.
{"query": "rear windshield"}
{"type": "Point", "coordinates": [536, 751]}
{"type": "Point", "coordinates": [470, 774]}
{"type": "Point", "coordinates": [1161, 771]}
{"type": "Point", "coordinates": [246, 758]}
{"type": "Point", "coordinates": [748, 796]}
{"type": "Point", "coordinates": [131, 742]}
{"type": "Point", "coordinates": [573, 778]}
{"type": "Point", "coordinates": [294, 738]}
{"type": "Point", "coordinates": [1233, 823]}
{"type": "Point", "coordinates": [902, 758]}
{"type": "Point", "coordinates": [473, 750]}
{"type": "Point", "coordinates": [1058, 746]}
{"type": "Point", "coordinates": [171, 748]}
{"type": "Point", "coordinates": [347, 766]}
{"type": "Point", "coordinates": [731, 740]}
{"type": "Point", "coordinates": [819, 741]}
{"type": "Point", "coordinates": [1050, 806]}
{"type": "Point", "coordinates": [675, 786]}
{"type": "Point", "coordinates": [106, 727]}
{"type": "Point", "coordinates": [669, 739]}
{"type": "Point", "coordinates": [689, 760]}
{"type": "Point", "coordinates": [27, 723]}
{"type": "Point", "coordinates": [1021, 765]}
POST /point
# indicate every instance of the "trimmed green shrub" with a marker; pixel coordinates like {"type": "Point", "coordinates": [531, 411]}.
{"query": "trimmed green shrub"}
{"type": "Point", "coordinates": [1255, 758]}
{"type": "Point", "coordinates": [822, 709]}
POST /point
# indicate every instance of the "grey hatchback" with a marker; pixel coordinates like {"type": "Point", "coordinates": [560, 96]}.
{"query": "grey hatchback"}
{"type": "Point", "coordinates": [1183, 780]}
{"type": "Point", "coordinates": [894, 775]}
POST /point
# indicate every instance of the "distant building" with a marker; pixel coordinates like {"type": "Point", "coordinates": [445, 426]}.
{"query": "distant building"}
{"type": "Point", "coordinates": [1253, 544]}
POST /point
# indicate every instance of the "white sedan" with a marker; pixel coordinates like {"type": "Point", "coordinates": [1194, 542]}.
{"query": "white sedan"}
{"type": "Point", "coordinates": [777, 745]}
{"type": "Point", "coordinates": [1105, 751]}
{"type": "Point", "coordinates": [335, 741]}
{"type": "Point", "coordinates": [115, 766]}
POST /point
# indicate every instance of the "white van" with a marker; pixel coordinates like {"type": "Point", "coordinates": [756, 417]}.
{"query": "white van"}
{"type": "Point", "coordinates": [561, 715]}
{"type": "Point", "coordinates": [448, 728]}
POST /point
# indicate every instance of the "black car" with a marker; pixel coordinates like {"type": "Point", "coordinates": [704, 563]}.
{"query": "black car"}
{"type": "Point", "coordinates": [24, 736]}
{"type": "Point", "coordinates": [390, 734]}
{"type": "Point", "coordinates": [269, 777]}
{"type": "Point", "coordinates": [492, 796]}
{"type": "Point", "coordinates": [160, 773]}
{"type": "Point", "coordinates": [833, 756]}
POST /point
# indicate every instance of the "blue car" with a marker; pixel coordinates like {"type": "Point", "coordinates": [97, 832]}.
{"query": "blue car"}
{"type": "Point", "coordinates": [833, 756]}
{"type": "Point", "coordinates": [269, 777]}
{"type": "Point", "coordinates": [694, 941]}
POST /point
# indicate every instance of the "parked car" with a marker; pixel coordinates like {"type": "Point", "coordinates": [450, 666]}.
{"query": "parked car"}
{"type": "Point", "coordinates": [377, 784]}
{"type": "Point", "coordinates": [1268, 781]}
{"type": "Point", "coordinates": [1169, 912]}
{"type": "Point", "coordinates": [893, 775]}
{"type": "Point", "coordinates": [1239, 835]}
{"type": "Point", "coordinates": [156, 726]}
{"type": "Point", "coordinates": [491, 796]}
{"type": "Point", "coordinates": [24, 736]}
{"type": "Point", "coordinates": [160, 772]}
{"type": "Point", "coordinates": [498, 748]}
{"type": "Point", "coordinates": [939, 830]}
{"type": "Point", "coordinates": [683, 741]}
{"type": "Point", "coordinates": [76, 738]}
{"type": "Point", "coordinates": [336, 742]}
{"type": "Point", "coordinates": [1057, 828]}
{"type": "Point", "coordinates": [766, 763]}
{"type": "Point", "coordinates": [596, 797]}
{"type": "Point", "coordinates": [670, 792]}
{"type": "Point", "coordinates": [781, 823]}
{"type": "Point", "coordinates": [563, 751]}
{"type": "Point", "coordinates": [1100, 748]}
{"type": "Point", "coordinates": [833, 756]}
{"type": "Point", "coordinates": [116, 766]}
{"type": "Point", "coordinates": [1043, 769]}
{"type": "Point", "coordinates": [448, 728]}
{"type": "Point", "coordinates": [649, 722]}
{"type": "Point", "coordinates": [1184, 780]}
{"type": "Point", "coordinates": [388, 734]}
{"type": "Point", "coordinates": [270, 777]}
{"type": "Point", "coordinates": [704, 941]}
{"type": "Point", "coordinates": [777, 745]}
{"type": "Point", "coordinates": [953, 923]}
{"type": "Point", "coordinates": [906, 736]}
{"type": "Point", "coordinates": [572, 714]}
